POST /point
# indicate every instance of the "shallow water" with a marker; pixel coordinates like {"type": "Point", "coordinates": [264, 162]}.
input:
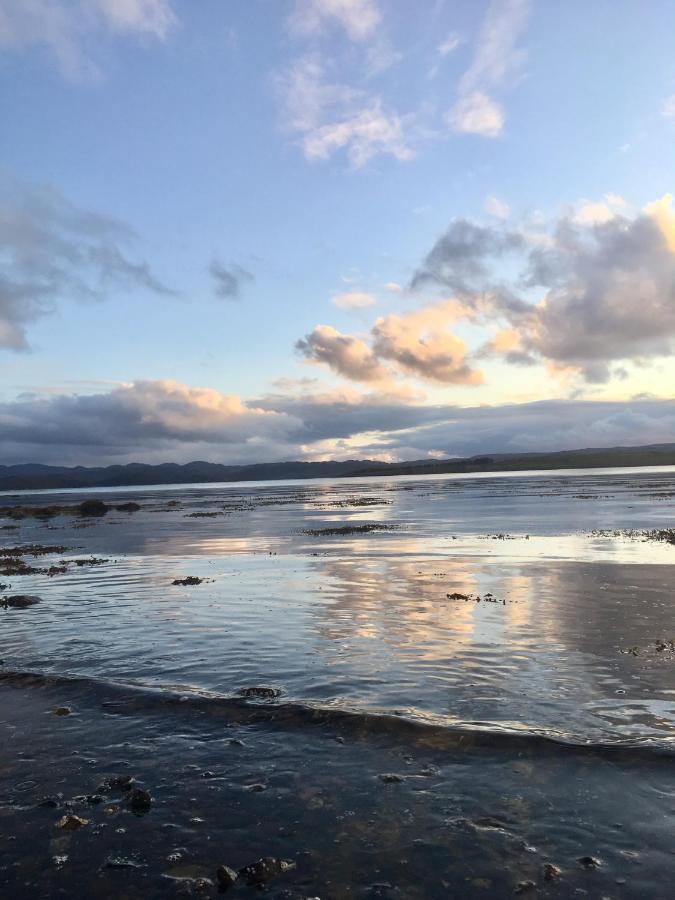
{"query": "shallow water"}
{"type": "Point", "coordinates": [359, 636]}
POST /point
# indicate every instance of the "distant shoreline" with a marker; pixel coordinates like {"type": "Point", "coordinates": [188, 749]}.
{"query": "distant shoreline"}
{"type": "Point", "coordinates": [34, 477]}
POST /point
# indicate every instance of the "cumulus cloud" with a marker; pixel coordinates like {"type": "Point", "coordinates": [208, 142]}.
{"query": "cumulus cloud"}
{"type": "Point", "coordinates": [476, 113]}
{"type": "Point", "coordinates": [64, 27]}
{"type": "Point", "coordinates": [51, 249]}
{"type": "Point", "coordinates": [353, 300]}
{"type": "Point", "coordinates": [605, 286]}
{"type": "Point", "coordinates": [462, 258]}
{"type": "Point", "coordinates": [329, 117]}
{"type": "Point", "coordinates": [228, 281]}
{"type": "Point", "coordinates": [420, 344]}
{"type": "Point", "coordinates": [495, 57]}
{"type": "Point", "coordinates": [417, 343]}
{"type": "Point", "coordinates": [139, 420]}
{"type": "Point", "coordinates": [348, 356]}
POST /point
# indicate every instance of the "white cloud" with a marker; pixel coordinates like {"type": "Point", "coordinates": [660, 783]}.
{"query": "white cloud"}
{"type": "Point", "coordinates": [353, 300]}
{"type": "Point", "coordinates": [668, 107]}
{"type": "Point", "coordinates": [590, 213]}
{"type": "Point", "coordinates": [451, 42]}
{"type": "Point", "coordinates": [329, 117]}
{"type": "Point", "coordinates": [476, 113]}
{"type": "Point", "coordinates": [394, 287]}
{"type": "Point", "coordinates": [497, 208]}
{"type": "Point", "coordinates": [65, 27]}
{"type": "Point", "coordinates": [496, 56]}
{"type": "Point", "coordinates": [360, 19]}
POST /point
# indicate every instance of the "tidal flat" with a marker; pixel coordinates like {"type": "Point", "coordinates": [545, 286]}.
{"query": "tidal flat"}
{"type": "Point", "coordinates": [401, 687]}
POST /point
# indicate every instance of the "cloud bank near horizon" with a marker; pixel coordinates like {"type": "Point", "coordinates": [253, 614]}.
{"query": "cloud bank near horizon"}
{"type": "Point", "coordinates": [155, 421]}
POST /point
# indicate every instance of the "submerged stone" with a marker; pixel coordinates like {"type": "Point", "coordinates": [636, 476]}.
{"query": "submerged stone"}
{"type": "Point", "coordinates": [139, 801]}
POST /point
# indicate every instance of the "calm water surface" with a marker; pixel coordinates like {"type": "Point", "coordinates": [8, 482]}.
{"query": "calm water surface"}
{"type": "Point", "coordinates": [362, 623]}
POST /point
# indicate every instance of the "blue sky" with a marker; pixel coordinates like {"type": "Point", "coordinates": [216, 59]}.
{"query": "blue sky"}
{"type": "Point", "coordinates": [252, 229]}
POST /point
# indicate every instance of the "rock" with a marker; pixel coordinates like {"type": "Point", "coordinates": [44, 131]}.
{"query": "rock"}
{"type": "Point", "coordinates": [262, 692]}
{"type": "Point", "coordinates": [589, 862]}
{"type": "Point", "coordinates": [122, 862]}
{"type": "Point", "coordinates": [92, 508]}
{"type": "Point", "coordinates": [139, 801]}
{"type": "Point", "coordinates": [128, 507]}
{"type": "Point", "coordinates": [525, 887]}
{"type": "Point", "coordinates": [382, 890]}
{"type": "Point", "coordinates": [116, 783]}
{"type": "Point", "coordinates": [551, 872]}
{"type": "Point", "coordinates": [226, 877]}
{"type": "Point", "coordinates": [265, 869]}
{"type": "Point", "coordinates": [50, 802]}
{"type": "Point", "coordinates": [390, 778]}
{"type": "Point", "coordinates": [71, 823]}
{"type": "Point", "coordinates": [19, 601]}
{"type": "Point", "coordinates": [190, 579]}
{"type": "Point", "coordinates": [62, 711]}
{"type": "Point", "coordinates": [256, 788]}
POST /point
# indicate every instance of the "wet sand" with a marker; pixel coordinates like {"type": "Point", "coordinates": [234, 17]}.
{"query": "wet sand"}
{"type": "Point", "coordinates": [474, 698]}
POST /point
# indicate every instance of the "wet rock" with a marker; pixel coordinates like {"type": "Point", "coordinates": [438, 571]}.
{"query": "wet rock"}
{"type": "Point", "coordinates": [262, 692]}
{"type": "Point", "coordinates": [551, 872]}
{"type": "Point", "coordinates": [19, 601]}
{"type": "Point", "coordinates": [93, 508]}
{"type": "Point", "coordinates": [383, 890]}
{"type": "Point", "coordinates": [115, 783]}
{"type": "Point", "coordinates": [390, 778]}
{"type": "Point", "coordinates": [525, 887]}
{"type": "Point", "coordinates": [62, 711]}
{"type": "Point", "coordinates": [128, 507]}
{"type": "Point", "coordinates": [71, 823]}
{"type": "Point", "coordinates": [92, 799]}
{"type": "Point", "coordinates": [225, 877]}
{"type": "Point", "coordinates": [189, 580]}
{"type": "Point", "coordinates": [51, 802]}
{"type": "Point", "coordinates": [257, 788]}
{"type": "Point", "coordinates": [122, 862]}
{"type": "Point", "coordinates": [589, 862]}
{"type": "Point", "coordinates": [138, 801]}
{"type": "Point", "coordinates": [265, 869]}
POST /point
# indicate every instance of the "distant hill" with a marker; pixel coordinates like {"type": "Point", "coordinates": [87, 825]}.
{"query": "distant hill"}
{"type": "Point", "coordinates": [33, 476]}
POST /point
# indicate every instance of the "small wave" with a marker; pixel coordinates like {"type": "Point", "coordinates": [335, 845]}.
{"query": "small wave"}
{"type": "Point", "coordinates": [129, 699]}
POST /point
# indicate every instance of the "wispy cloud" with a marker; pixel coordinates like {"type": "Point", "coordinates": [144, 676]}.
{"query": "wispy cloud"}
{"type": "Point", "coordinates": [360, 19]}
{"type": "Point", "coordinates": [496, 57]}
{"type": "Point", "coordinates": [228, 280]}
{"type": "Point", "coordinates": [329, 117]}
{"type": "Point", "coordinates": [353, 300]}
{"type": "Point", "coordinates": [668, 107]}
{"type": "Point", "coordinates": [65, 27]}
{"type": "Point", "coordinates": [51, 249]}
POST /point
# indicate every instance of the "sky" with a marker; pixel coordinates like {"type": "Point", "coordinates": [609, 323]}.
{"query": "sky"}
{"type": "Point", "coordinates": [255, 230]}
